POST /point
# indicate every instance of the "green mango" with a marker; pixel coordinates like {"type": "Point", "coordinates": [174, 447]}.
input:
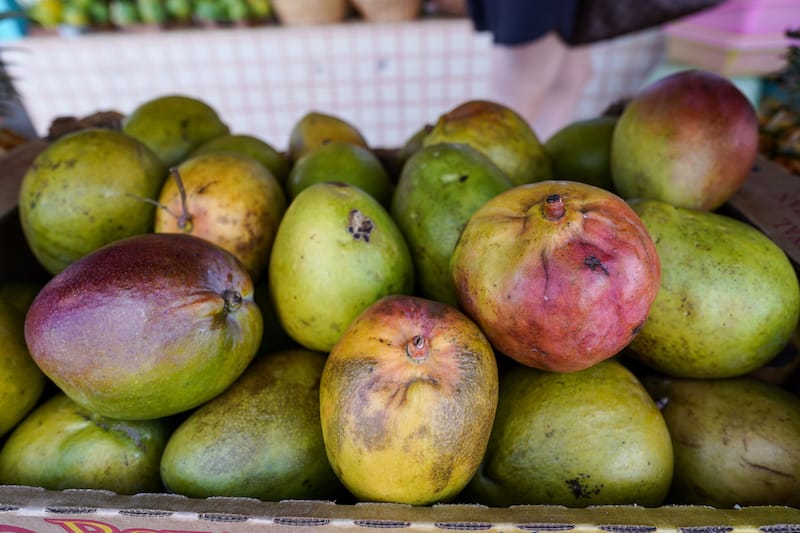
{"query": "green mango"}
{"type": "Point", "coordinates": [413, 143]}
{"type": "Point", "coordinates": [315, 128]}
{"type": "Point", "coordinates": [590, 437]}
{"type": "Point", "coordinates": [179, 10]}
{"type": "Point", "coordinates": [21, 380]}
{"type": "Point", "coordinates": [76, 15]}
{"type": "Point", "coordinates": [736, 441]}
{"type": "Point", "coordinates": [19, 294]}
{"type": "Point", "coordinates": [729, 299]}
{"type": "Point", "coordinates": [261, 438]}
{"type": "Point", "coordinates": [85, 190]}
{"type": "Point", "coordinates": [336, 251]}
{"type": "Point", "coordinates": [581, 151]}
{"type": "Point", "coordinates": [123, 13]}
{"type": "Point", "coordinates": [261, 9]}
{"type": "Point", "coordinates": [439, 189]}
{"type": "Point", "coordinates": [46, 13]}
{"type": "Point", "coordinates": [344, 162]}
{"type": "Point", "coordinates": [237, 10]}
{"type": "Point", "coordinates": [152, 11]}
{"type": "Point", "coordinates": [99, 12]}
{"type": "Point", "coordinates": [499, 133]}
{"type": "Point", "coordinates": [61, 445]}
{"type": "Point", "coordinates": [250, 145]}
{"type": "Point", "coordinates": [173, 125]}
{"type": "Point", "coordinates": [209, 11]}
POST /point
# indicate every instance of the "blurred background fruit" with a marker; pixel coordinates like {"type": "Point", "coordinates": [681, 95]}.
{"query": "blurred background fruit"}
{"type": "Point", "coordinates": [779, 112]}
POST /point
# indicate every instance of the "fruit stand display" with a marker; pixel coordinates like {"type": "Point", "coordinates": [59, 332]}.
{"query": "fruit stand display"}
{"type": "Point", "coordinates": [80, 16]}
{"type": "Point", "coordinates": [459, 333]}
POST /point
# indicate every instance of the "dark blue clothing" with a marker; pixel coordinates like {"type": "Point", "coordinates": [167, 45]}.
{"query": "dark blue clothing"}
{"type": "Point", "coordinates": [514, 22]}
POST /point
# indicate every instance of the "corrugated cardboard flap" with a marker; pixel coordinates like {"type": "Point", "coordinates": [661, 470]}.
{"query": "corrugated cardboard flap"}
{"type": "Point", "coordinates": [770, 200]}
{"type": "Point", "coordinates": [92, 511]}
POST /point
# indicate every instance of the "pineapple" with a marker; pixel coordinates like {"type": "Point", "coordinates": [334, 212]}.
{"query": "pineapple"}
{"type": "Point", "coordinates": [779, 112]}
{"type": "Point", "coordinates": [8, 138]}
{"type": "Point", "coordinates": [8, 92]}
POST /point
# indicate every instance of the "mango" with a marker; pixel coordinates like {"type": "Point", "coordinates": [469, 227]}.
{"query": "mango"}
{"type": "Point", "coordinates": [85, 190]}
{"type": "Point", "coordinates": [316, 128]}
{"type": "Point", "coordinates": [581, 151]}
{"type": "Point", "coordinates": [261, 438]}
{"type": "Point", "coordinates": [250, 145]}
{"type": "Point", "coordinates": [173, 125]}
{"type": "Point", "coordinates": [337, 250]}
{"type": "Point", "coordinates": [560, 275]}
{"type": "Point", "coordinates": [228, 199]}
{"type": "Point", "coordinates": [729, 299]}
{"type": "Point", "coordinates": [498, 132]}
{"type": "Point", "coordinates": [61, 445]}
{"type": "Point", "coordinates": [343, 162]}
{"type": "Point", "coordinates": [439, 189]}
{"type": "Point", "coordinates": [21, 380]}
{"type": "Point", "coordinates": [146, 327]}
{"type": "Point", "coordinates": [689, 139]}
{"type": "Point", "coordinates": [407, 400]}
{"type": "Point", "coordinates": [591, 437]}
{"type": "Point", "coordinates": [736, 441]}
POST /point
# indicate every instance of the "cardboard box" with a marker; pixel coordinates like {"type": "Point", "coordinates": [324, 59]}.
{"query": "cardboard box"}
{"type": "Point", "coordinates": [735, 38]}
{"type": "Point", "coordinates": [769, 198]}
{"type": "Point", "coordinates": [32, 510]}
{"type": "Point", "coordinates": [729, 57]}
{"type": "Point", "coordinates": [748, 16]}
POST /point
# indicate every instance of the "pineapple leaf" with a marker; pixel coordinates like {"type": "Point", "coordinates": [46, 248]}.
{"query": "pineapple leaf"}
{"type": "Point", "coordinates": [8, 92]}
{"type": "Point", "coordinates": [789, 77]}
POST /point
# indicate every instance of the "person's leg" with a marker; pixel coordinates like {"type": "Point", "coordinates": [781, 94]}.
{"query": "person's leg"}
{"type": "Point", "coordinates": [523, 74]}
{"type": "Point", "coordinates": [564, 94]}
{"type": "Point", "coordinates": [534, 71]}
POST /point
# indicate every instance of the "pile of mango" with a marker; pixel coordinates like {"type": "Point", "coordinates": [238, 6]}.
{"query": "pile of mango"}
{"type": "Point", "coordinates": [478, 316]}
{"type": "Point", "coordinates": [110, 14]}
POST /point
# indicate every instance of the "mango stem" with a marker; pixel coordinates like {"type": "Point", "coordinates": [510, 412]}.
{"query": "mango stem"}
{"type": "Point", "coordinates": [554, 207]}
{"type": "Point", "coordinates": [185, 218]}
{"type": "Point", "coordinates": [417, 349]}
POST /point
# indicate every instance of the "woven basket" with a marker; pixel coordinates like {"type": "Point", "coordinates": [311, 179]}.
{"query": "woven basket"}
{"type": "Point", "coordinates": [307, 12]}
{"type": "Point", "coordinates": [388, 10]}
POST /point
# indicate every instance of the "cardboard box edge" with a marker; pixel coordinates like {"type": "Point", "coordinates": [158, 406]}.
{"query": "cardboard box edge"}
{"type": "Point", "coordinates": [32, 502]}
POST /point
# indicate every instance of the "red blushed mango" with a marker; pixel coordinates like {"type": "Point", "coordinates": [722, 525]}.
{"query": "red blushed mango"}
{"type": "Point", "coordinates": [407, 400]}
{"type": "Point", "coordinates": [146, 327]}
{"type": "Point", "coordinates": [689, 139]}
{"type": "Point", "coordinates": [559, 275]}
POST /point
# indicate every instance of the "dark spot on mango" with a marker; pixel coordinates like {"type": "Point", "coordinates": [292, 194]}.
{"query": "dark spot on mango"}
{"type": "Point", "coordinates": [595, 264]}
{"type": "Point", "coordinates": [359, 225]}
{"type": "Point", "coordinates": [441, 473]}
{"type": "Point", "coordinates": [580, 487]}
{"type": "Point", "coordinates": [233, 300]}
